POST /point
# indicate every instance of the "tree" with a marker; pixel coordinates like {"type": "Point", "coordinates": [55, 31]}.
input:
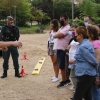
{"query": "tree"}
{"type": "Point", "coordinates": [88, 7]}
{"type": "Point", "coordinates": [22, 7]}
{"type": "Point", "coordinates": [8, 5]}
{"type": "Point", "coordinates": [23, 12]}
{"type": "Point", "coordinates": [97, 1]}
{"type": "Point", "coordinates": [39, 15]}
{"type": "Point", "coordinates": [44, 5]}
{"type": "Point", "coordinates": [61, 7]}
{"type": "Point", "coordinates": [54, 8]}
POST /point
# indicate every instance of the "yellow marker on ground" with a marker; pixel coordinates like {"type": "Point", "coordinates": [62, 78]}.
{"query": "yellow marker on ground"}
{"type": "Point", "coordinates": [38, 66]}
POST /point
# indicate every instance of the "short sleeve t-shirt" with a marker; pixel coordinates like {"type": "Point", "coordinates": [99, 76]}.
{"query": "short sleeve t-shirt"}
{"type": "Point", "coordinates": [61, 44]}
{"type": "Point", "coordinates": [51, 37]}
{"type": "Point", "coordinates": [96, 44]}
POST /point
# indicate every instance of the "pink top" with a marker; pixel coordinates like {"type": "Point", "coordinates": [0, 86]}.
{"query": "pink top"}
{"type": "Point", "coordinates": [61, 44]}
{"type": "Point", "coordinates": [96, 44]}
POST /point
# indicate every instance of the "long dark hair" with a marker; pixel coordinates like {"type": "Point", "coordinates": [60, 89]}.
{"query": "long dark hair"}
{"type": "Point", "coordinates": [56, 24]}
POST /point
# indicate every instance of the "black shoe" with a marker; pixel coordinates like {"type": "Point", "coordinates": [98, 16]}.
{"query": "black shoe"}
{"type": "Point", "coordinates": [68, 82]}
{"type": "Point", "coordinates": [18, 75]}
{"type": "Point", "coordinates": [4, 74]}
{"type": "Point", "coordinates": [62, 84]}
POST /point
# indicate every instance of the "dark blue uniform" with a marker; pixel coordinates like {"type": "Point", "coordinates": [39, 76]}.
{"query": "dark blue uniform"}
{"type": "Point", "coordinates": [10, 34]}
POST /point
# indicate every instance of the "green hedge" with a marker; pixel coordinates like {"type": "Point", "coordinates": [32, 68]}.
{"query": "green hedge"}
{"type": "Point", "coordinates": [2, 23]}
{"type": "Point", "coordinates": [96, 20]}
{"type": "Point", "coordinates": [78, 22]}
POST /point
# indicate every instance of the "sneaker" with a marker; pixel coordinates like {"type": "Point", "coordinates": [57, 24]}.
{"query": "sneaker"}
{"type": "Point", "coordinates": [55, 79]}
{"type": "Point", "coordinates": [72, 89]}
{"type": "Point", "coordinates": [68, 82]}
{"type": "Point", "coordinates": [62, 84]}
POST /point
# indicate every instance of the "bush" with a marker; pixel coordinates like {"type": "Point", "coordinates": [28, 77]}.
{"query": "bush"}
{"type": "Point", "coordinates": [40, 29]}
{"type": "Point", "coordinates": [78, 22]}
{"type": "Point", "coordinates": [2, 22]}
{"type": "Point", "coordinates": [96, 20]}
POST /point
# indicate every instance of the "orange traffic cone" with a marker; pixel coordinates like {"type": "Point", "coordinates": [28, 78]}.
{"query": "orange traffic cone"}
{"type": "Point", "coordinates": [22, 72]}
{"type": "Point", "coordinates": [24, 56]}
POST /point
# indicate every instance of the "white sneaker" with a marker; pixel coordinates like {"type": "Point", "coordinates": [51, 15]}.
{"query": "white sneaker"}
{"type": "Point", "coordinates": [55, 79]}
{"type": "Point", "coordinates": [72, 89]}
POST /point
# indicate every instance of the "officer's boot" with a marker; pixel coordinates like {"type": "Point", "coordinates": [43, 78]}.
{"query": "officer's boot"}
{"type": "Point", "coordinates": [17, 73]}
{"type": "Point", "coordinates": [4, 74]}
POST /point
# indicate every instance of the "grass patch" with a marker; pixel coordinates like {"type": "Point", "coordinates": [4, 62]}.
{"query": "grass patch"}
{"type": "Point", "coordinates": [33, 29]}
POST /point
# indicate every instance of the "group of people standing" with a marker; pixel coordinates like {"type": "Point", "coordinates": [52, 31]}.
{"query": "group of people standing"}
{"type": "Point", "coordinates": [75, 50]}
{"type": "Point", "coordinates": [79, 47]}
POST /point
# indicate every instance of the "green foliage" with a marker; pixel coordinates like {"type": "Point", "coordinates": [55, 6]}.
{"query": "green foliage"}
{"type": "Point", "coordinates": [22, 7]}
{"type": "Point", "coordinates": [98, 9]}
{"type": "Point", "coordinates": [45, 10]}
{"type": "Point", "coordinates": [7, 6]}
{"type": "Point", "coordinates": [32, 30]}
{"type": "Point", "coordinates": [23, 12]}
{"type": "Point", "coordinates": [97, 1]}
{"type": "Point", "coordinates": [61, 7]}
{"type": "Point", "coordinates": [79, 22]}
{"type": "Point", "coordinates": [34, 27]}
{"type": "Point", "coordinates": [96, 20]}
{"type": "Point", "coordinates": [37, 2]}
{"type": "Point", "coordinates": [45, 5]}
{"type": "Point", "coordinates": [88, 8]}
{"type": "Point", "coordinates": [2, 22]}
{"type": "Point", "coordinates": [77, 11]}
{"type": "Point", "coordinates": [39, 15]}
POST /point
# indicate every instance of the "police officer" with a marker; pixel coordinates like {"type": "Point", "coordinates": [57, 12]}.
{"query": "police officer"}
{"type": "Point", "coordinates": [10, 32]}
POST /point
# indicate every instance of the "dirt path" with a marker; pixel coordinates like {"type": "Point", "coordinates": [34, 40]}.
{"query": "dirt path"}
{"type": "Point", "coordinates": [32, 87]}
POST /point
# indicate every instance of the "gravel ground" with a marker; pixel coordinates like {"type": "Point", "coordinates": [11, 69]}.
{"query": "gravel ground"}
{"type": "Point", "coordinates": [32, 87]}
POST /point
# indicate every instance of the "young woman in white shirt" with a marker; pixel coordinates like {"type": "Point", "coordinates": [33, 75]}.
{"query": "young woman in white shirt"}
{"type": "Point", "coordinates": [54, 28]}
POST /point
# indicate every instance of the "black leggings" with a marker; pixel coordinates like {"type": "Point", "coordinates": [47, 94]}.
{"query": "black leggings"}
{"type": "Point", "coordinates": [83, 88]}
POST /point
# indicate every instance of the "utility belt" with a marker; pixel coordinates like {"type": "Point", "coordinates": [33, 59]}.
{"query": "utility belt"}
{"type": "Point", "coordinates": [9, 38]}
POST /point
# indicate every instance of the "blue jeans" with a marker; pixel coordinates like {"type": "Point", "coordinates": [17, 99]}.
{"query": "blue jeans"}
{"type": "Point", "coordinates": [95, 92]}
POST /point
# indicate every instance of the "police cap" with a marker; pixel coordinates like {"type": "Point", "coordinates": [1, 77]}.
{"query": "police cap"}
{"type": "Point", "coordinates": [10, 18]}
